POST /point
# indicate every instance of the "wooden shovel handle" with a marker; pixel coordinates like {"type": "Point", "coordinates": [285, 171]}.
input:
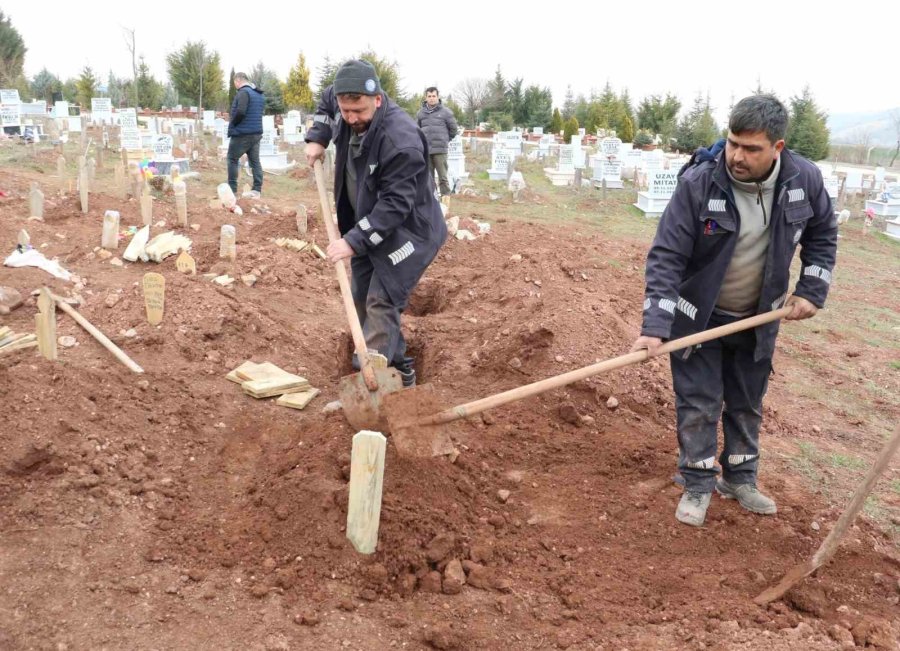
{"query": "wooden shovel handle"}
{"type": "Point", "coordinates": [99, 336]}
{"type": "Point", "coordinates": [359, 341]}
{"type": "Point", "coordinates": [542, 386]}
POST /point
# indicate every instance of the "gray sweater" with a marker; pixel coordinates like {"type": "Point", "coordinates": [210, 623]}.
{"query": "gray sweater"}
{"type": "Point", "coordinates": [743, 281]}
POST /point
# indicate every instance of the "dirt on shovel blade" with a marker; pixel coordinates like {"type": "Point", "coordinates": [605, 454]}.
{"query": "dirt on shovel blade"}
{"type": "Point", "coordinates": [404, 410]}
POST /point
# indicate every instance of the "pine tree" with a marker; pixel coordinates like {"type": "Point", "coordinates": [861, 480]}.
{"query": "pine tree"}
{"type": "Point", "coordinates": [12, 52]}
{"type": "Point", "coordinates": [807, 132]}
{"type": "Point", "coordinates": [197, 74]}
{"type": "Point", "coordinates": [570, 128]}
{"type": "Point", "coordinates": [627, 131]}
{"type": "Point", "coordinates": [556, 122]}
{"type": "Point", "coordinates": [698, 128]}
{"type": "Point", "coordinates": [568, 109]}
{"type": "Point", "coordinates": [85, 86]}
{"type": "Point", "coordinates": [232, 91]}
{"type": "Point", "coordinates": [267, 81]}
{"type": "Point", "coordinates": [297, 92]}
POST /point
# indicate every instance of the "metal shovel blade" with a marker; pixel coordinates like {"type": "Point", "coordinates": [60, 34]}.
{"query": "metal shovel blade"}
{"type": "Point", "coordinates": [404, 411]}
{"type": "Point", "coordinates": [363, 408]}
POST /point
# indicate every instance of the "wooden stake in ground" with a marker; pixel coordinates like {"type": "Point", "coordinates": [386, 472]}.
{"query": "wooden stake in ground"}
{"type": "Point", "coordinates": [147, 207]}
{"type": "Point", "coordinates": [137, 181]}
{"type": "Point", "coordinates": [36, 202]}
{"type": "Point", "coordinates": [227, 246]}
{"type": "Point", "coordinates": [99, 336]}
{"type": "Point", "coordinates": [121, 186]}
{"type": "Point", "coordinates": [830, 545]}
{"type": "Point", "coordinates": [180, 190]}
{"type": "Point", "coordinates": [92, 170]}
{"type": "Point", "coordinates": [302, 219]}
{"type": "Point", "coordinates": [23, 239]}
{"type": "Point", "coordinates": [154, 296]}
{"type": "Point", "coordinates": [100, 157]}
{"type": "Point", "coordinates": [61, 173]}
{"type": "Point", "coordinates": [45, 324]}
{"type": "Point", "coordinates": [83, 184]}
{"type": "Point", "coordinates": [366, 479]}
{"type": "Point", "coordinates": [110, 237]}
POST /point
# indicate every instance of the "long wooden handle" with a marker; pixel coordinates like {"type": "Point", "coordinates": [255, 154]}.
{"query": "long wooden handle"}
{"type": "Point", "coordinates": [359, 341]}
{"type": "Point", "coordinates": [831, 543]}
{"type": "Point", "coordinates": [99, 336]}
{"type": "Point", "coordinates": [541, 386]}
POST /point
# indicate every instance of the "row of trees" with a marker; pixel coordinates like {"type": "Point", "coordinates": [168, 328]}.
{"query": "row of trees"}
{"type": "Point", "coordinates": [196, 78]}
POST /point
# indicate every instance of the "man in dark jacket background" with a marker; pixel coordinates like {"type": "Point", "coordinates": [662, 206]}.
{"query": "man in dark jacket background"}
{"type": "Point", "coordinates": [439, 125]}
{"type": "Point", "coordinates": [723, 252]}
{"type": "Point", "coordinates": [245, 131]}
{"type": "Point", "coordinates": [390, 219]}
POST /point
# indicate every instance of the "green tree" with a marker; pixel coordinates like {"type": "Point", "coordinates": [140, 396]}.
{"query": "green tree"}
{"type": "Point", "coordinates": [267, 81]}
{"type": "Point", "coordinates": [85, 87]}
{"type": "Point", "coordinates": [147, 91]}
{"type": "Point", "coordinates": [698, 128]}
{"type": "Point", "coordinates": [115, 90]}
{"type": "Point", "coordinates": [658, 115]}
{"type": "Point", "coordinates": [70, 90]}
{"type": "Point", "coordinates": [458, 113]}
{"type": "Point", "coordinates": [538, 107]}
{"type": "Point", "coordinates": [197, 74]}
{"type": "Point", "coordinates": [327, 71]}
{"type": "Point", "coordinates": [232, 91]}
{"type": "Point", "coordinates": [556, 122]}
{"type": "Point", "coordinates": [570, 128]}
{"type": "Point", "coordinates": [626, 133]}
{"type": "Point", "coordinates": [568, 107]}
{"type": "Point", "coordinates": [297, 91]}
{"type": "Point", "coordinates": [807, 131]}
{"type": "Point", "coordinates": [12, 52]}
{"type": "Point", "coordinates": [44, 85]}
{"type": "Point", "coordinates": [170, 96]}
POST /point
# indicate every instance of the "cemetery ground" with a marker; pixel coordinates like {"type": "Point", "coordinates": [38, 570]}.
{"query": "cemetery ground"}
{"type": "Point", "coordinates": [169, 510]}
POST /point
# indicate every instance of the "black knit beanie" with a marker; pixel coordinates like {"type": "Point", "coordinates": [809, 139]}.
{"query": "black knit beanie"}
{"type": "Point", "coordinates": [357, 77]}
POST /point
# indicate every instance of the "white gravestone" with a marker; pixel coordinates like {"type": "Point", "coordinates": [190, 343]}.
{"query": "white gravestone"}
{"type": "Point", "coordinates": [662, 184]}
{"type": "Point", "coordinates": [130, 135]}
{"type": "Point", "coordinates": [162, 148]}
{"type": "Point", "coordinates": [610, 172]}
{"type": "Point", "coordinates": [611, 147]}
{"type": "Point", "coordinates": [101, 110]}
{"type": "Point", "coordinates": [500, 159]}
{"type": "Point", "coordinates": [566, 162]}
{"type": "Point", "coordinates": [456, 161]}
{"type": "Point", "coordinates": [577, 151]}
{"type": "Point", "coordinates": [10, 108]}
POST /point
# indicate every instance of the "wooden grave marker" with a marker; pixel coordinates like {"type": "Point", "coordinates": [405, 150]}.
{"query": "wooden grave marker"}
{"type": "Point", "coordinates": [302, 219]}
{"type": "Point", "coordinates": [61, 173]}
{"type": "Point", "coordinates": [186, 264]}
{"type": "Point", "coordinates": [147, 207]}
{"type": "Point", "coordinates": [36, 202]}
{"type": "Point", "coordinates": [366, 481]}
{"type": "Point", "coordinates": [45, 324]}
{"type": "Point", "coordinates": [154, 296]}
{"type": "Point", "coordinates": [227, 246]}
{"type": "Point", "coordinates": [110, 236]}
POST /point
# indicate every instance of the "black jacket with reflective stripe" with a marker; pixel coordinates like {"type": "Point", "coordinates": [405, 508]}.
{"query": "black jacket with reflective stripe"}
{"type": "Point", "coordinates": [696, 239]}
{"type": "Point", "coordinates": [398, 221]}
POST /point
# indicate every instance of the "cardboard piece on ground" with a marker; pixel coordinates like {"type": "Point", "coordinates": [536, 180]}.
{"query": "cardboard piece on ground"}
{"type": "Point", "coordinates": [319, 252]}
{"type": "Point", "coordinates": [297, 400]}
{"type": "Point", "coordinates": [292, 244]}
{"type": "Point", "coordinates": [237, 379]}
{"type": "Point", "coordinates": [164, 245]}
{"type": "Point", "coordinates": [154, 296]}
{"type": "Point", "coordinates": [186, 264]}
{"type": "Point", "coordinates": [366, 482]}
{"type": "Point", "coordinates": [135, 248]}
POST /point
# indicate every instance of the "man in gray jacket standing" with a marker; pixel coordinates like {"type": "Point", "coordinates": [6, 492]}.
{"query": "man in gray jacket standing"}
{"type": "Point", "coordinates": [439, 125]}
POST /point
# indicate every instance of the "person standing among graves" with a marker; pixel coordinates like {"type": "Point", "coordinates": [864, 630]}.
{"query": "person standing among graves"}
{"type": "Point", "coordinates": [723, 252]}
{"type": "Point", "coordinates": [245, 132]}
{"type": "Point", "coordinates": [439, 125]}
{"type": "Point", "coordinates": [390, 219]}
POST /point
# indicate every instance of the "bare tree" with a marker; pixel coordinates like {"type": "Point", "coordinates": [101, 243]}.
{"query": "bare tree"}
{"type": "Point", "coordinates": [129, 43]}
{"type": "Point", "coordinates": [895, 121]}
{"type": "Point", "coordinates": [473, 93]}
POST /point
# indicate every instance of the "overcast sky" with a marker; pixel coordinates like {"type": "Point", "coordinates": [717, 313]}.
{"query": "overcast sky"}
{"type": "Point", "coordinates": [848, 56]}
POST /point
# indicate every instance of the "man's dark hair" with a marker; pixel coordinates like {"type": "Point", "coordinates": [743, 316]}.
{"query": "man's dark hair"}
{"type": "Point", "coordinates": [431, 89]}
{"type": "Point", "coordinates": [760, 113]}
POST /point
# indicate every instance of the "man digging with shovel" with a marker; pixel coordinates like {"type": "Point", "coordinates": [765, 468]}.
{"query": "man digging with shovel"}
{"type": "Point", "coordinates": [389, 218]}
{"type": "Point", "coordinates": [722, 252]}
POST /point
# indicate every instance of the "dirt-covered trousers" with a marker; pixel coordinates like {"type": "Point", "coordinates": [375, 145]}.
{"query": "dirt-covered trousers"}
{"type": "Point", "coordinates": [379, 316]}
{"type": "Point", "coordinates": [719, 372]}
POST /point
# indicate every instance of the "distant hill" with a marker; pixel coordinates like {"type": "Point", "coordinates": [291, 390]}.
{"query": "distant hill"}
{"type": "Point", "coordinates": [849, 127]}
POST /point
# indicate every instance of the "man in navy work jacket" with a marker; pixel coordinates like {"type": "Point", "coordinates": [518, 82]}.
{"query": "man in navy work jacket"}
{"type": "Point", "coordinates": [245, 131]}
{"type": "Point", "coordinates": [723, 252]}
{"type": "Point", "coordinates": [390, 219]}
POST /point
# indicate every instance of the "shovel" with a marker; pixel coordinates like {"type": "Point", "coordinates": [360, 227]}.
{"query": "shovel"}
{"type": "Point", "coordinates": [830, 545]}
{"type": "Point", "coordinates": [413, 414]}
{"type": "Point", "coordinates": [361, 393]}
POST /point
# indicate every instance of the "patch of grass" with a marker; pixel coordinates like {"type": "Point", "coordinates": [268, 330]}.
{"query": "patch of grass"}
{"type": "Point", "coordinates": [846, 461]}
{"type": "Point", "coordinates": [895, 486]}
